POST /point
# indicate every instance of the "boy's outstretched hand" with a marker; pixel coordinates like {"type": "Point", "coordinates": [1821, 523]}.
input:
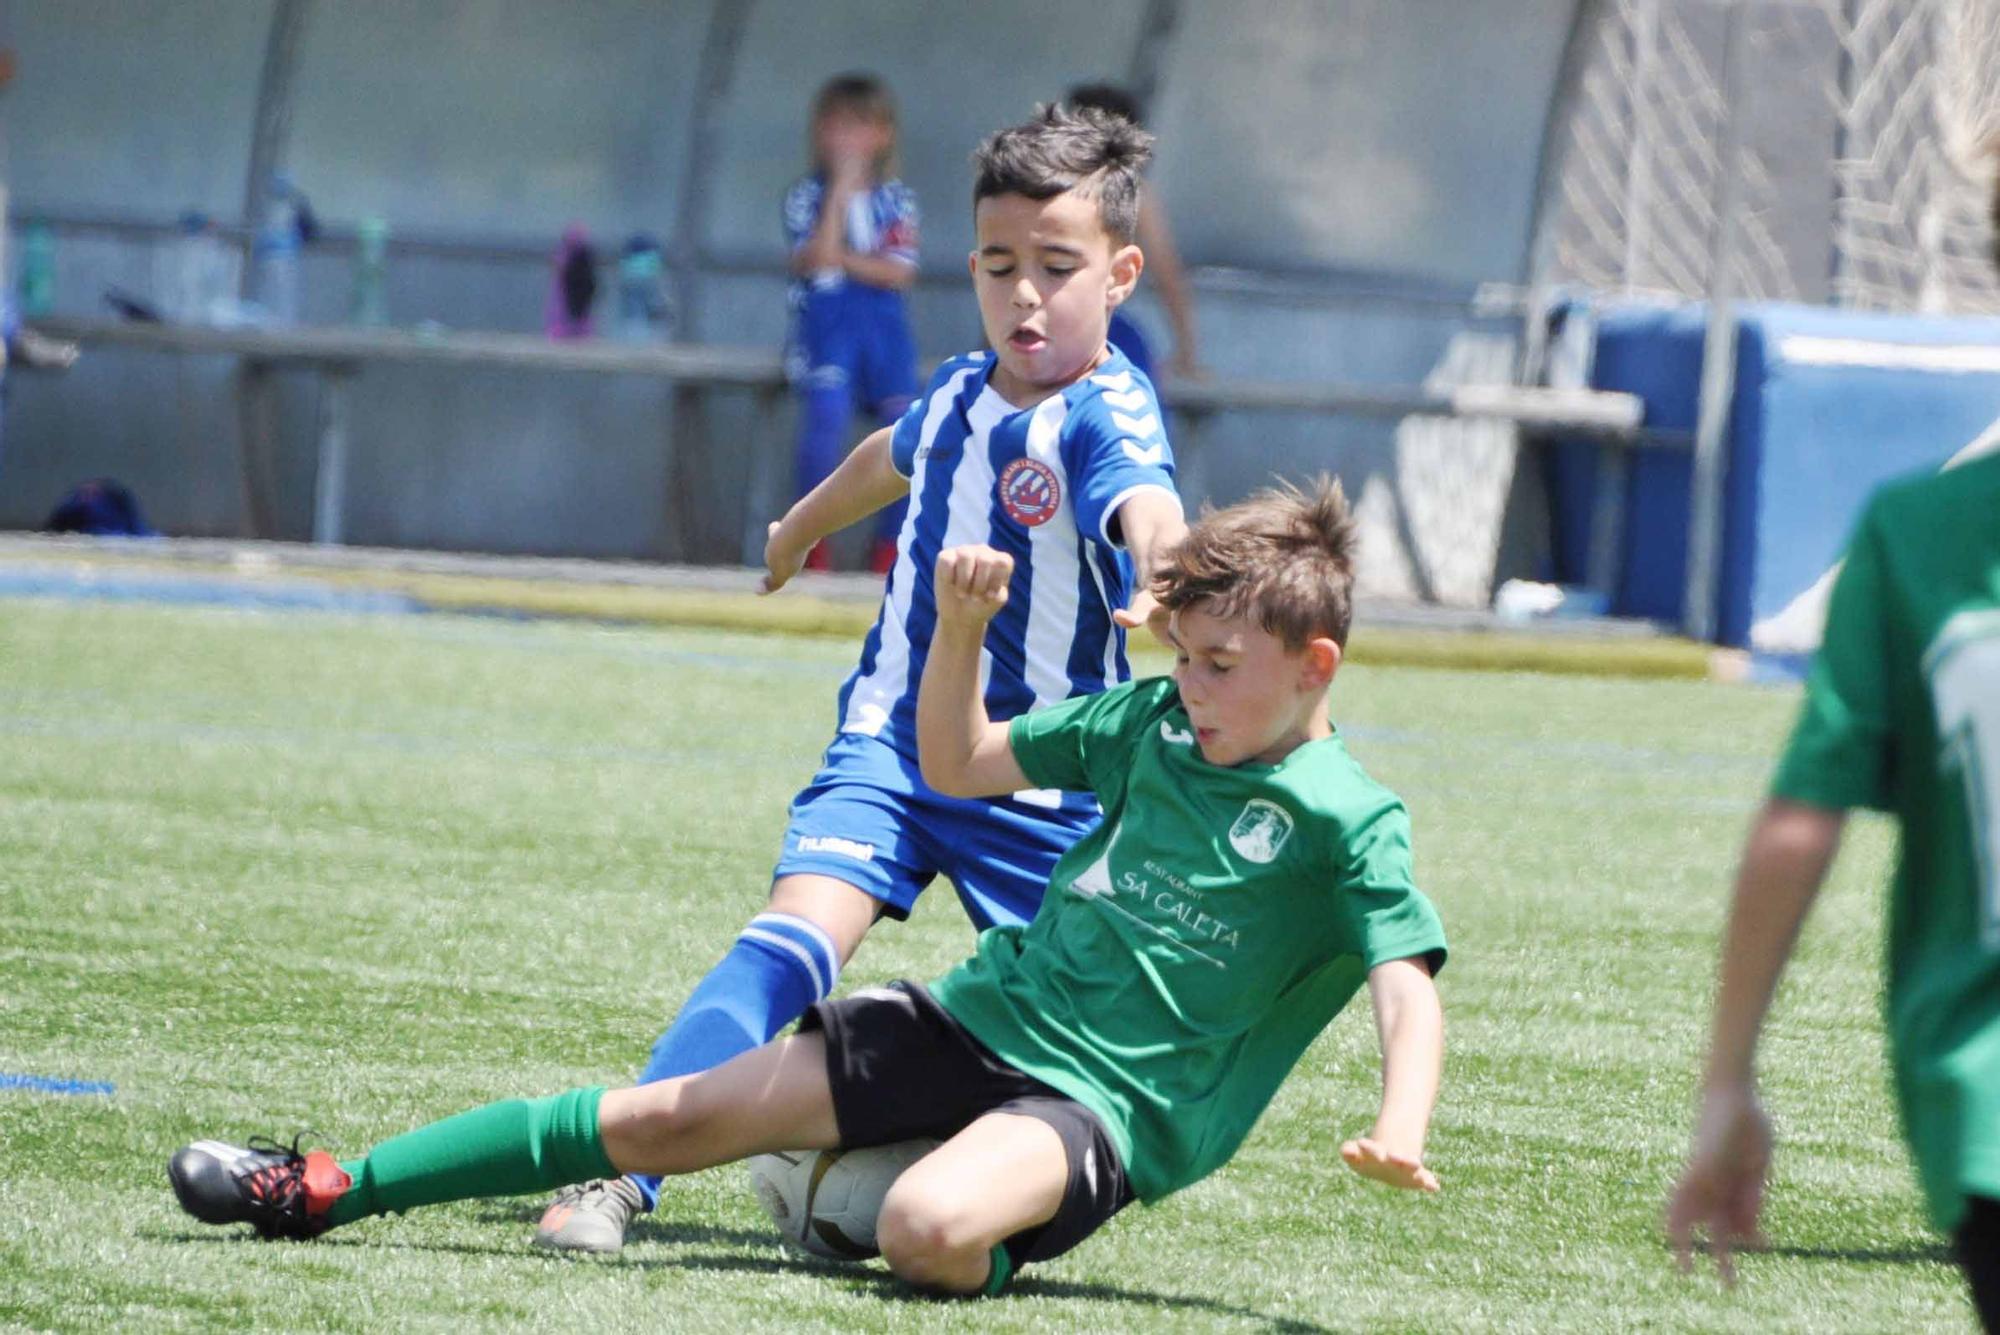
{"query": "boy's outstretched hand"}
{"type": "Point", "coordinates": [972, 584]}
{"type": "Point", "coordinates": [1721, 1191]}
{"type": "Point", "coordinates": [781, 560]}
{"type": "Point", "coordinates": [1145, 611]}
{"type": "Point", "coordinates": [1373, 1159]}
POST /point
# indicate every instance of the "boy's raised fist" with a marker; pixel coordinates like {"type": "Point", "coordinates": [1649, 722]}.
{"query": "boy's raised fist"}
{"type": "Point", "coordinates": [972, 583]}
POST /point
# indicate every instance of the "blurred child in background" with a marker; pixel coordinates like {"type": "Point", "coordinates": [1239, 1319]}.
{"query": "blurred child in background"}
{"type": "Point", "coordinates": [852, 228]}
{"type": "Point", "coordinates": [1163, 261]}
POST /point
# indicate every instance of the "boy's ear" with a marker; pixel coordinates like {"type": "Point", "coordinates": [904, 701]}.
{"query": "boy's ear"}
{"type": "Point", "coordinates": [1322, 660]}
{"type": "Point", "coordinates": [1127, 263]}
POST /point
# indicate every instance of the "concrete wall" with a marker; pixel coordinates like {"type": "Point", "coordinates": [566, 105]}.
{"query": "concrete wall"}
{"type": "Point", "coordinates": [1342, 172]}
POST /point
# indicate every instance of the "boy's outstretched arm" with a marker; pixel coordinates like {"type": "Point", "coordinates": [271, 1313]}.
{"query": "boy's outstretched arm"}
{"type": "Point", "coordinates": [866, 481]}
{"type": "Point", "coordinates": [961, 751]}
{"type": "Point", "coordinates": [1722, 1188]}
{"type": "Point", "coordinates": [1150, 523]}
{"type": "Point", "coordinates": [1410, 1023]}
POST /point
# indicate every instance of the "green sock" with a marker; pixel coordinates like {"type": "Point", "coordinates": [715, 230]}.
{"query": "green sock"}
{"type": "Point", "coordinates": [503, 1149]}
{"type": "Point", "coordinates": [1003, 1270]}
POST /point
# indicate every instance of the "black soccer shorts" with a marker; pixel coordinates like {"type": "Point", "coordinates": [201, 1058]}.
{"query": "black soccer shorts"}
{"type": "Point", "coordinates": [901, 1067]}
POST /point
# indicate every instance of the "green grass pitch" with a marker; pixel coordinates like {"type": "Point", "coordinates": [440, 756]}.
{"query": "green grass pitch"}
{"type": "Point", "coordinates": [267, 872]}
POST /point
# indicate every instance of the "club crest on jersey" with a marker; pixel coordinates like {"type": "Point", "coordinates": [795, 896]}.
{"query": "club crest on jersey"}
{"type": "Point", "coordinates": [1261, 830]}
{"type": "Point", "coordinates": [1029, 492]}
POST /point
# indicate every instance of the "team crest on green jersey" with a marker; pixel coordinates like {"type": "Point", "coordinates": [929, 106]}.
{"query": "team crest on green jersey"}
{"type": "Point", "coordinates": [1261, 830]}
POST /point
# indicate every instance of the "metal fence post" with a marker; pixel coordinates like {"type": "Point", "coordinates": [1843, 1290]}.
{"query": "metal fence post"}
{"type": "Point", "coordinates": [1718, 354]}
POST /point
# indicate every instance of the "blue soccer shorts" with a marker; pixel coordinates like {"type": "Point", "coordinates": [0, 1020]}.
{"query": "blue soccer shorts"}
{"type": "Point", "coordinates": [867, 819]}
{"type": "Point", "coordinates": [857, 337]}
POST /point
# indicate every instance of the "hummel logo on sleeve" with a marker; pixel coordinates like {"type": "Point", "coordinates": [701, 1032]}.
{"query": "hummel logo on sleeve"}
{"type": "Point", "coordinates": [1143, 454]}
{"type": "Point", "coordinates": [1149, 425]}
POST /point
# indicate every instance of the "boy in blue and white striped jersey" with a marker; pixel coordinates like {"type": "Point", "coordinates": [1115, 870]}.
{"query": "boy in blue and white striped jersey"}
{"type": "Point", "coordinates": [1049, 448]}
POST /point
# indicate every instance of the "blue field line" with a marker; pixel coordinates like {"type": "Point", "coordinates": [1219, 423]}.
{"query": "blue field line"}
{"type": "Point", "coordinates": [1662, 765]}
{"type": "Point", "coordinates": [43, 1084]}
{"type": "Point", "coordinates": [1610, 755]}
{"type": "Point", "coordinates": [406, 743]}
{"type": "Point", "coordinates": [522, 633]}
{"type": "Point", "coordinates": [628, 642]}
{"type": "Point", "coordinates": [67, 583]}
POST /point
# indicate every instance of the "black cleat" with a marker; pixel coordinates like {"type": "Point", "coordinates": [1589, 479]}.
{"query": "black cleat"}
{"type": "Point", "coordinates": [272, 1187]}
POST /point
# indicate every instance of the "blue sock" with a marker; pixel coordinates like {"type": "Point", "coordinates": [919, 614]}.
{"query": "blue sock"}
{"type": "Point", "coordinates": [780, 965]}
{"type": "Point", "coordinates": [825, 415]}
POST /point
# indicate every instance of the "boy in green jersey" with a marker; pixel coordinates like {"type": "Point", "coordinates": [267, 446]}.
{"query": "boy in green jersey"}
{"type": "Point", "coordinates": [1902, 714]}
{"type": "Point", "coordinates": [1247, 878]}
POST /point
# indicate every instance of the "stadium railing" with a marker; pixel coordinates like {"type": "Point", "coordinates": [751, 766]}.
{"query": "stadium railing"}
{"type": "Point", "coordinates": [337, 355]}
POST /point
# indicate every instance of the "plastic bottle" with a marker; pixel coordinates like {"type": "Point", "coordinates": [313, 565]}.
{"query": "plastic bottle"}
{"type": "Point", "coordinates": [279, 241]}
{"type": "Point", "coordinates": [642, 305]}
{"type": "Point", "coordinates": [38, 271]}
{"type": "Point", "coordinates": [188, 276]}
{"type": "Point", "coordinates": [572, 286]}
{"type": "Point", "coordinates": [368, 304]}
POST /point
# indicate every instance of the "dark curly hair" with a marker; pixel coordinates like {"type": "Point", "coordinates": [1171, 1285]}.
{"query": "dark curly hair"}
{"type": "Point", "coordinates": [1064, 148]}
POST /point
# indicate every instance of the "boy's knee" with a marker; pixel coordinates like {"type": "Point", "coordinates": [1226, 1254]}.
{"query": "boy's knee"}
{"type": "Point", "coordinates": [668, 1110]}
{"type": "Point", "coordinates": [930, 1241]}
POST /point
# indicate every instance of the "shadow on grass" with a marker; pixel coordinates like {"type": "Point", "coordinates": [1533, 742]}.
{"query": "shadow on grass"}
{"type": "Point", "coordinates": [644, 1229]}
{"type": "Point", "coordinates": [1916, 1253]}
{"type": "Point", "coordinates": [891, 1289]}
{"type": "Point", "coordinates": [882, 1284]}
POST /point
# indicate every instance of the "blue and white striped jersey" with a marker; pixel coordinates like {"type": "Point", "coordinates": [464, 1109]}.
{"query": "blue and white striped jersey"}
{"type": "Point", "coordinates": [882, 221]}
{"type": "Point", "coordinates": [1041, 484]}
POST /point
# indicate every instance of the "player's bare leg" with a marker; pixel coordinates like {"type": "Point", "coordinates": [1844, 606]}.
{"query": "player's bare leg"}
{"type": "Point", "coordinates": [943, 1218]}
{"type": "Point", "coordinates": [843, 911]}
{"type": "Point", "coordinates": [773, 1098]}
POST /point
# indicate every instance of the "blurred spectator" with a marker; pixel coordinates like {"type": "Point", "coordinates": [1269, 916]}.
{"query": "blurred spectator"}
{"type": "Point", "coordinates": [1163, 261]}
{"type": "Point", "coordinates": [852, 227]}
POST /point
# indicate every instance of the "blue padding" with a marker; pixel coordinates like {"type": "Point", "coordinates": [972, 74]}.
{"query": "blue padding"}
{"type": "Point", "coordinates": [1808, 442]}
{"type": "Point", "coordinates": [1818, 438]}
{"type": "Point", "coordinates": [1655, 353]}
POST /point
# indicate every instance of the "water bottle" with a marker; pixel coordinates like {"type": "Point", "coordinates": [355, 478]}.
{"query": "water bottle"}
{"type": "Point", "coordinates": [185, 276]}
{"type": "Point", "coordinates": [38, 272]}
{"type": "Point", "coordinates": [277, 252]}
{"type": "Point", "coordinates": [642, 303]}
{"type": "Point", "coordinates": [368, 304]}
{"type": "Point", "coordinates": [572, 286]}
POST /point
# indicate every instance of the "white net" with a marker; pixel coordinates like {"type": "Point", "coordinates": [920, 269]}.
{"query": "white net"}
{"type": "Point", "coordinates": [1856, 131]}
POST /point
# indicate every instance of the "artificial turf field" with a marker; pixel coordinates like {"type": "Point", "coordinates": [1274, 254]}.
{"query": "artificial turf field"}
{"type": "Point", "coordinates": [273, 871]}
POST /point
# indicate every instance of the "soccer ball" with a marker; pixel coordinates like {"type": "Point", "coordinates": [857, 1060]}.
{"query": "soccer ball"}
{"type": "Point", "coordinates": [826, 1202]}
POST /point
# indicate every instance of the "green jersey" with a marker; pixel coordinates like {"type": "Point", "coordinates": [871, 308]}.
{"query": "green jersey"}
{"type": "Point", "coordinates": [1902, 713]}
{"type": "Point", "coordinates": [1192, 945]}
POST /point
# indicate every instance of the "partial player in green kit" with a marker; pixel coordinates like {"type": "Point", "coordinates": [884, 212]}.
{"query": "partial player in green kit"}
{"type": "Point", "coordinates": [1902, 714]}
{"type": "Point", "coordinates": [1246, 879]}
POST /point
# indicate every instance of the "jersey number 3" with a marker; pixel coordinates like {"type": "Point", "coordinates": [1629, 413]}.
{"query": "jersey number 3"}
{"type": "Point", "coordinates": [1964, 670]}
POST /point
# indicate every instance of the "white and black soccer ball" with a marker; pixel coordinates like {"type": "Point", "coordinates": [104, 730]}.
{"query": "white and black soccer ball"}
{"type": "Point", "coordinates": [826, 1202]}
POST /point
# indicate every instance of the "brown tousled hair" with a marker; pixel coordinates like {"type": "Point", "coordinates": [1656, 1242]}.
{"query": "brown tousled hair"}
{"type": "Point", "coordinates": [1284, 557]}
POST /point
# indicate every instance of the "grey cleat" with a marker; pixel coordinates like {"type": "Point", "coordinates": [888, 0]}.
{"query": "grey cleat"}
{"type": "Point", "coordinates": [590, 1216]}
